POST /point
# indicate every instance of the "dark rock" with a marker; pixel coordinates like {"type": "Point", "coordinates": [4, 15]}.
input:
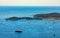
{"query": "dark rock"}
{"type": "Point", "coordinates": [27, 18]}
{"type": "Point", "coordinates": [19, 18]}
{"type": "Point", "coordinates": [13, 18]}
{"type": "Point", "coordinates": [18, 31]}
{"type": "Point", "coordinates": [38, 17]}
{"type": "Point", "coordinates": [49, 15]}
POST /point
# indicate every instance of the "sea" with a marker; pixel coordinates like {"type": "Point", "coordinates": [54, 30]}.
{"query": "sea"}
{"type": "Point", "coordinates": [29, 28]}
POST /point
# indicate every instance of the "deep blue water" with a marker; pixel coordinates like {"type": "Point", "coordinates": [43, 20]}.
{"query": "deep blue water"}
{"type": "Point", "coordinates": [30, 28]}
{"type": "Point", "coordinates": [9, 11]}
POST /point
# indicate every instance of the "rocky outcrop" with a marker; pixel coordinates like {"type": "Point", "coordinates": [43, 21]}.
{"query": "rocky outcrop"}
{"type": "Point", "coordinates": [19, 31]}
{"type": "Point", "coordinates": [48, 16]}
{"type": "Point", "coordinates": [13, 18]}
{"type": "Point", "coordinates": [54, 16]}
{"type": "Point", "coordinates": [19, 18]}
{"type": "Point", "coordinates": [27, 18]}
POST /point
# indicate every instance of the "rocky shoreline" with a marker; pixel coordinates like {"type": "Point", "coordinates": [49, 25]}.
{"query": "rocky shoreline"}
{"type": "Point", "coordinates": [49, 16]}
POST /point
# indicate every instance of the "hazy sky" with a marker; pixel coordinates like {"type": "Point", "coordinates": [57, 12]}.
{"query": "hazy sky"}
{"type": "Point", "coordinates": [30, 2]}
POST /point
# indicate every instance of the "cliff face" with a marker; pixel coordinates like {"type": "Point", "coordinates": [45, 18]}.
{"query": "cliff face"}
{"type": "Point", "coordinates": [48, 16]}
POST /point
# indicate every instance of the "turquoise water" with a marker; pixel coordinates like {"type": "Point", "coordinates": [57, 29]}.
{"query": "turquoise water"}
{"type": "Point", "coordinates": [9, 11]}
{"type": "Point", "coordinates": [30, 28]}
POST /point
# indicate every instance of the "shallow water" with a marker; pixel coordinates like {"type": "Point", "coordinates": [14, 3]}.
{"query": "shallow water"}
{"type": "Point", "coordinates": [30, 28]}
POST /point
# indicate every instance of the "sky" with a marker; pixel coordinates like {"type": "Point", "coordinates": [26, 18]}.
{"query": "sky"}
{"type": "Point", "coordinates": [29, 2]}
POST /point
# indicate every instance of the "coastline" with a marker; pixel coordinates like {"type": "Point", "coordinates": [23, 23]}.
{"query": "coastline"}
{"type": "Point", "coordinates": [49, 16]}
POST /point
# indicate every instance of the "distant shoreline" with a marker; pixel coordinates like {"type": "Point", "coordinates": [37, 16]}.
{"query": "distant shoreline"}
{"type": "Point", "coordinates": [49, 16]}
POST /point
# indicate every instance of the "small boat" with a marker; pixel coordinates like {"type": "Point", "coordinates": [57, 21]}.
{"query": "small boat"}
{"type": "Point", "coordinates": [18, 31]}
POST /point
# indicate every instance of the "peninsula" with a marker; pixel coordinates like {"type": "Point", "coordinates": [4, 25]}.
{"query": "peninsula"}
{"type": "Point", "coordinates": [48, 16]}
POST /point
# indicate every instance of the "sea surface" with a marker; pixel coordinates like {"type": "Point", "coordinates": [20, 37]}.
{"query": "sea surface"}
{"type": "Point", "coordinates": [30, 28]}
{"type": "Point", "coordinates": [21, 11]}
